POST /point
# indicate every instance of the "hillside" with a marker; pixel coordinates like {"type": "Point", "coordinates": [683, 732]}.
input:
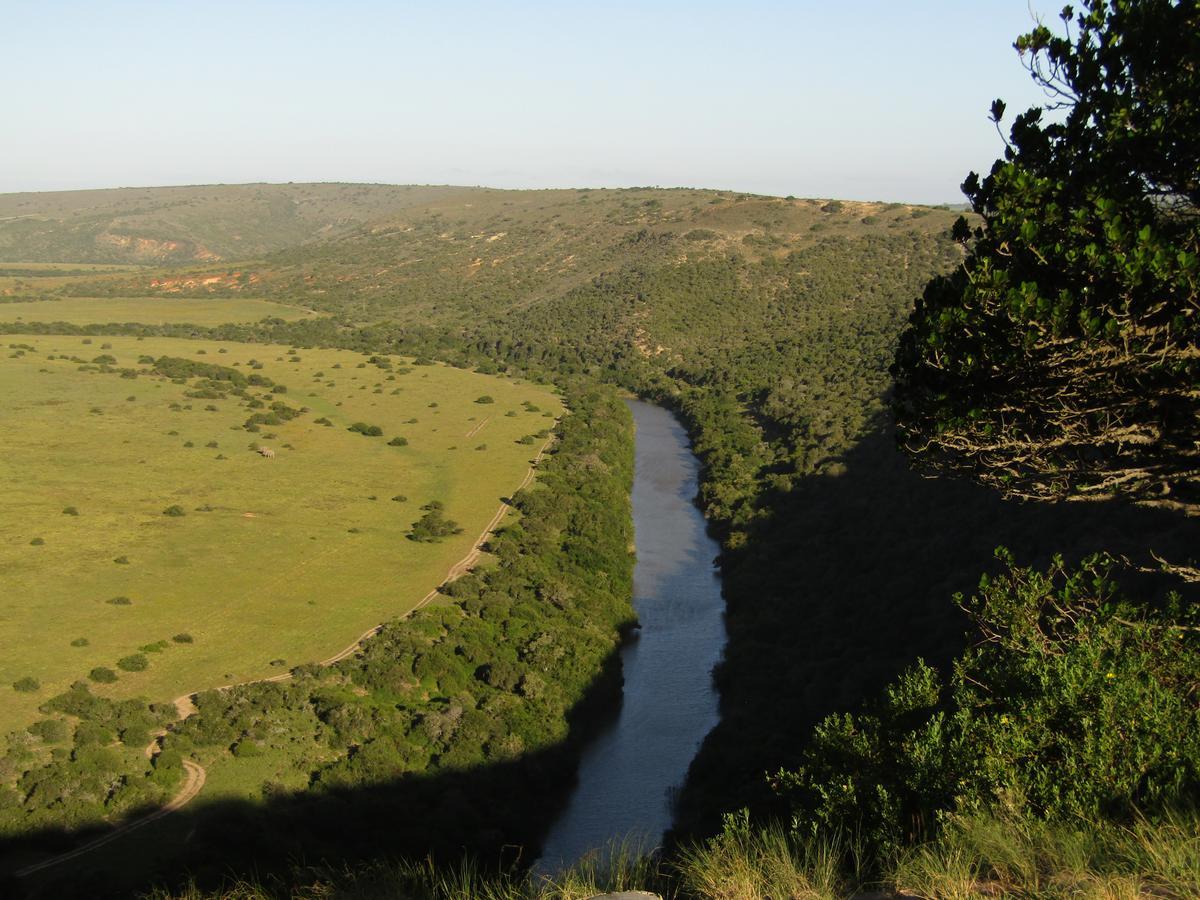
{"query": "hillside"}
{"type": "Point", "coordinates": [176, 225]}
{"type": "Point", "coordinates": [768, 323]}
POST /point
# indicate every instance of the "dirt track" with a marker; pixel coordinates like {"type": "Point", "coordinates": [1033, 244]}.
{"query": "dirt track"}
{"type": "Point", "coordinates": [185, 705]}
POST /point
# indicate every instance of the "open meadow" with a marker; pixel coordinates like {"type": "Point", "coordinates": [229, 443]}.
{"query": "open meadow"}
{"type": "Point", "coordinates": [146, 546]}
{"type": "Point", "coordinates": [149, 310]}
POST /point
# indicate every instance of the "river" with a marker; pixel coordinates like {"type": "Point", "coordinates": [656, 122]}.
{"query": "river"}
{"type": "Point", "coordinates": [628, 772]}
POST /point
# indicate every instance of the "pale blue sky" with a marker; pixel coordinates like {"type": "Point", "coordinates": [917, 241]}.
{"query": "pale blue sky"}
{"type": "Point", "coordinates": [860, 99]}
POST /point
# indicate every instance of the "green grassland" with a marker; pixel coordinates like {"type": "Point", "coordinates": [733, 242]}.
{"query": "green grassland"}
{"type": "Point", "coordinates": [275, 562]}
{"type": "Point", "coordinates": [149, 310]}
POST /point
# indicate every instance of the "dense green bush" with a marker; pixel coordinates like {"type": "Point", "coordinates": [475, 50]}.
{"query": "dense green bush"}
{"type": "Point", "coordinates": [135, 662]}
{"type": "Point", "coordinates": [1075, 704]}
{"type": "Point", "coordinates": [27, 684]}
{"type": "Point", "coordinates": [174, 510]}
{"type": "Point", "coordinates": [102, 675]}
{"type": "Point", "coordinates": [433, 526]}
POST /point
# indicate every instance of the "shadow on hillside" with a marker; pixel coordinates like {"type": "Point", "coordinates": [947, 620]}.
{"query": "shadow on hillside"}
{"type": "Point", "coordinates": [498, 814]}
{"type": "Point", "coordinates": [851, 580]}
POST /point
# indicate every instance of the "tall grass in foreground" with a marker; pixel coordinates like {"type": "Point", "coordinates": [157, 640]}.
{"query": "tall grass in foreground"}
{"type": "Point", "coordinates": [1007, 855]}
{"type": "Point", "coordinates": [975, 857]}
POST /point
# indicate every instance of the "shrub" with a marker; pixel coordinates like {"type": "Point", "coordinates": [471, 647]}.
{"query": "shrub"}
{"type": "Point", "coordinates": [156, 647]}
{"type": "Point", "coordinates": [398, 442]}
{"type": "Point", "coordinates": [323, 421]}
{"type": "Point", "coordinates": [70, 511]}
{"type": "Point", "coordinates": [433, 526]}
{"type": "Point", "coordinates": [484, 399]}
{"type": "Point", "coordinates": [26, 685]}
{"type": "Point", "coordinates": [134, 662]}
{"type": "Point", "coordinates": [119, 601]}
{"type": "Point", "coordinates": [400, 498]}
{"type": "Point", "coordinates": [102, 675]}
{"type": "Point", "coordinates": [367, 430]}
{"type": "Point", "coordinates": [183, 638]}
{"type": "Point", "coordinates": [36, 542]}
{"type": "Point", "coordinates": [52, 731]}
{"type": "Point", "coordinates": [80, 642]}
{"type": "Point", "coordinates": [174, 510]}
{"type": "Point", "coordinates": [122, 560]}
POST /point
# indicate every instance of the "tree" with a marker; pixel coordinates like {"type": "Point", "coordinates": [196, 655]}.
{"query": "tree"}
{"type": "Point", "coordinates": [433, 526]}
{"type": "Point", "coordinates": [1062, 358]}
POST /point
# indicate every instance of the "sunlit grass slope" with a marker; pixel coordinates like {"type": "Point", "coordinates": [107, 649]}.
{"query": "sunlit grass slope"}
{"type": "Point", "coordinates": [274, 562]}
{"type": "Point", "coordinates": [148, 310]}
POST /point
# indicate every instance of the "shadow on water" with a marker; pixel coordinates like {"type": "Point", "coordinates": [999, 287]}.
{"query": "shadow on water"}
{"type": "Point", "coordinates": [849, 581]}
{"type": "Point", "coordinates": [495, 813]}
{"type": "Point", "coordinates": [628, 774]}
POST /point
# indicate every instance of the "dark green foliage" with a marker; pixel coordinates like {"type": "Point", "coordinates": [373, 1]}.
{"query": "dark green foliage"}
{"type": "Point", "coordinates": [1075, 704]}
{"type": "Point", "coordinates": [102, 675]}
{"type": "Point", "coordinates": [27, 685]}
{"type": "Point", "coordinates": [70, 511]}
{"type": "Point", "coordinates": [37, 542]}
{"type": "Point", "coordinates": [182, 638]}
{"type": "Point", "coordinates": [119, 601]}
{"type": "Point", "coordinates": [1061, 357]}
{"type": "Point", "coordinates": [367, 430]}
{"type": "Point", "coordinates": [135, 662]}
{"type": "Point", "coordinates": [485, 399]}
{"type": "Point", "coordinates": [433, 526]}
{"type": "Point", "coordinates": [174, 510]}
{"type": "Point", "coordinates": [52, 731]}
{"type": "Point", "coordinates": [398, 442]}
{"type": "Point", "coordinates": [80, 642]}
{"type": "Point", "coordinates": [121, 560]}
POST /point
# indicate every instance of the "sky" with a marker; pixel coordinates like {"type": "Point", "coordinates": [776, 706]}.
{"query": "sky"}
{"type": "Point", "coordinates": [855, 99]}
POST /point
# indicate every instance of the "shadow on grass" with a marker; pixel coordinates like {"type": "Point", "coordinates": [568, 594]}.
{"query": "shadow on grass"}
{"type": "Point", "coordinates": [496, 813]}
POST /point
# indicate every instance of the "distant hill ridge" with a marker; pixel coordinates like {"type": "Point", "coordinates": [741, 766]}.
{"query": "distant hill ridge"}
{"type": "Point", "coordinates": [217, 223]}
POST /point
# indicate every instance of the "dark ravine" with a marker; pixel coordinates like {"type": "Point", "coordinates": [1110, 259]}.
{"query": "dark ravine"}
{"type": "Point", "coordinates": [630, 770]}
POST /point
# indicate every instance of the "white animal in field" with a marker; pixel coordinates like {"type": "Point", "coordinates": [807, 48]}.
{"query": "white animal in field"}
{"type": "Point", "coordinates": [266, 452]}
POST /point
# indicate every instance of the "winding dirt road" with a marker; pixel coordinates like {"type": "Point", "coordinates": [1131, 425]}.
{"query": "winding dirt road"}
{"type": "Point", "coordinates": [185, 704]}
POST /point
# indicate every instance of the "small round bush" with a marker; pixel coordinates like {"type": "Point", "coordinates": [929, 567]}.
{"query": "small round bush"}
{"type": "Point", "coordinates": [398, 441]}
{"type": "Point", "coordinates": [26, 685]}
{"type": "Point", "coordinates": [36, 542]}
{"type": "Point", "coordinates": [102, 675]}
{"type": "Point", "coordinates": [183, 638]}
{"type": "Point", "coordinates": [174, 510]}
{"type": "Point", "coordinates": [80, 642]}
{"type": "Point", "coordinates": [486, 398]}
{"type": "Point", "coordinates": [122, 560]}
{"type": "Point", "coordinates": [400, 498]}
{"type": "Point", "coordinates": [134, 662]}
{"type": "Point", "coordinates": [119, 601]}
{"type": "Point", "coordinates": [70, 511]}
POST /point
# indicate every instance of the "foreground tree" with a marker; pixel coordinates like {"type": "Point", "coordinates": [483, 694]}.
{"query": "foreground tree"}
{"type": "Point", "coordinates": [1062, 359]}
